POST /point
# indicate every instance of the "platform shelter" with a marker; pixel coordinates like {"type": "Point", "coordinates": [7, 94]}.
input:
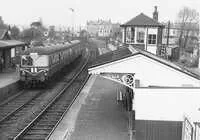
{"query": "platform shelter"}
{"type": "Point", "coordinates": [160, 95]}
{"type": "Point", "coordinates": [9, 50]}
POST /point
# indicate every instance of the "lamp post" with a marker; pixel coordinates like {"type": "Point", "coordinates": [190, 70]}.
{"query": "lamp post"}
{"type": "Point", "coordinates": [72, 19]}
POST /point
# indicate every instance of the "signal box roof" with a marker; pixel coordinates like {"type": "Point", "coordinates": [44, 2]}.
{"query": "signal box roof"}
{"type": "Point", "coordinates": [142, 20]}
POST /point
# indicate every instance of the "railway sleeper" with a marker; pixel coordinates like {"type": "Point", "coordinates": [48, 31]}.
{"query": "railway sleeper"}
{"type": "Point", "coordinates": [48, 122]}
{"type": "Point", "coordinates": [42, 127]}
{"type": "Point", "coordinates": [46, 116]}
{"type": "Point", "coordinates": [38, 131]}
{"type": "Point", "coordinates": [55, 112]}
{"type": "Point", "coordinates": [34, 137]}
{"type": "Point", "coordinates": [55, 118]}
{"type": "Point", "coordinates": [57, 109]}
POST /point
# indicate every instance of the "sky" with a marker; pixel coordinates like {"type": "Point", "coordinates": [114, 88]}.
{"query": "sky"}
{"type": "Point", "coordinates": [58, 13]}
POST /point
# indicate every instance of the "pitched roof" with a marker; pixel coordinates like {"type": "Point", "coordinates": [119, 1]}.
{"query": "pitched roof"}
{"type": "Point", "coordinates": [2, 33]}
{"type": "Point", "coordinates": [125, 53]}
{"type": "Point", "coordinates": [142, 20]}
{"type": "Point", "coordinates": [111, 56]}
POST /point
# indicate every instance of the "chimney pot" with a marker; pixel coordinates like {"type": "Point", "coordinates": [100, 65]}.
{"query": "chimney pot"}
{"type": "Point", "coordinates": [155, 14]}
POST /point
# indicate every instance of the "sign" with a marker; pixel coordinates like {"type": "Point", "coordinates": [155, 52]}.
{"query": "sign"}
{"type": "Point", "coordinates": [126, 79]}
{"type": "Point", "coordinates": [12, 52]}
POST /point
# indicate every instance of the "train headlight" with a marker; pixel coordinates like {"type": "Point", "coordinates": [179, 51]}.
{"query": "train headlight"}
{"type": "Point", "coordinates": [45, 73]}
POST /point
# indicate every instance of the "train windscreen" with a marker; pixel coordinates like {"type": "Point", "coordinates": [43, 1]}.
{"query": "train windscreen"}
{"type": "Point", "coordinates": [34, 60]}
{"type": "Point", "coordinates": [26, 60]}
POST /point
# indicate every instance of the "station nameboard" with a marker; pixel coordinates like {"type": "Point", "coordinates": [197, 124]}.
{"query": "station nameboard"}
{"type": "Point", "coordinates": [126, 79]}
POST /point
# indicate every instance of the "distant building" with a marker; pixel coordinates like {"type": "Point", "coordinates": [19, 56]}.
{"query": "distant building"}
{"type": "Point", "coordinates": [36, 24]}
{"type": "Point", "coordinates": [143, 32]}
{"type": "Point", "coordinates": [101, 28]}
{"type": "Point", "coordinates": [1, 21]}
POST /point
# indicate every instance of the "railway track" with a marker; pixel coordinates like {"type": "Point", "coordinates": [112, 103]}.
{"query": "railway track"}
{"type": "Point", "coordinates": [42, 126]}
{"type": "Point", "coordinates": [18, 112]}
{"type": "Point", "coordinates": [9, 108]}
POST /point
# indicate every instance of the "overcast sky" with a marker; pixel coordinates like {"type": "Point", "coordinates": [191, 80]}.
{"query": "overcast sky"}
{"type": "Point", "coordinates": [56, 12]}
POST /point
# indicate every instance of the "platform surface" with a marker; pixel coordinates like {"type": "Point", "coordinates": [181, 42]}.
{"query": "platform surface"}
{"type": "Point", "coordinates": [95, 115]}
{"type": "Point", "coordinates": [7, 78]}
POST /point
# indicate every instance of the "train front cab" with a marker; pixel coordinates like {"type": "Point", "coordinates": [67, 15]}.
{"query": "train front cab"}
{"type": "Point", "coordinates": [34, 68]}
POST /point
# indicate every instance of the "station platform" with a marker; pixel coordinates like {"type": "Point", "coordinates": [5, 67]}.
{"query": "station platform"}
{"type": "Point", "coordinates": [95, 115]}
{"type": "Point", "coordinates": [8, 77]}
{"type": "Point", "coordinates": [9, 84]}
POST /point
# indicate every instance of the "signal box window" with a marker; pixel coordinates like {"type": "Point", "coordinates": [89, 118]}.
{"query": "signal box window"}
{"type": "Point", "coordinates": [140, 37]}
{"type": "Point", "coordinates": [151, 39]}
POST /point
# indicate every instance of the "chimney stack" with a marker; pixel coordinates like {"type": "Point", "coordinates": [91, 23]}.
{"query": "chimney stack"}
{"type": "Point", "coordinates": [155, 14]}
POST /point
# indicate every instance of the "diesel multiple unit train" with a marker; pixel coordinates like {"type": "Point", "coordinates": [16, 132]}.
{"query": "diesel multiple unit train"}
{"type": "Point", "coordinates": [39, 64]}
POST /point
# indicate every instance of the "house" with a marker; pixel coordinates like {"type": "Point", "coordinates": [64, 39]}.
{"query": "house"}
{"type": "Point", "coordinates": [102, 28]}
{"type": "Point", "coordinates": [4, 34]}
{"type": "Point", "coordinates": [143, 32]}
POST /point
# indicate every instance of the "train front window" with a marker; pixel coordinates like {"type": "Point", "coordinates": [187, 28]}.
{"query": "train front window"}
{"type": "Point", "coordinates": [27, 60]}
{"type": "Point", "coordinates": [34, 60]}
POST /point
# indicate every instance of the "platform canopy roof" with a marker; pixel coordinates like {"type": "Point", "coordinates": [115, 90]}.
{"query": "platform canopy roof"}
{"type": "Point", "coordinates": [125, 52]}
{"type": "Point", "coordinates": [142, 20]}
{"type": "Point", "coordinates": [10, 43]}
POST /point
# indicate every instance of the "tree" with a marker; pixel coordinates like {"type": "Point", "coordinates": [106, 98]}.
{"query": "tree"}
{"type": "Point", "coordinates": [31, 34]}
{"type": "Point", "coordinates": [52, 32]}
{"type": "Point", "coordinates": [188, 27]}
{"type": "Point", "coordinates": [2, 25]}
{"type": "Point", "coordinates": [15, 32]}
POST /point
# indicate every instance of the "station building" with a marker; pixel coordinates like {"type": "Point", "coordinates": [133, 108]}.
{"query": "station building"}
{"type": "Point", "coordinates": [9, 50]}
{"type": "Point", "coordinates": [161, 97]}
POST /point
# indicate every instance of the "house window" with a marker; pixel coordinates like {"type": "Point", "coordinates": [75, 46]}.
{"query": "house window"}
{"type": "Point", "coordinates": [151, 39]}
{"type": "Point", "coordinates": [130, 35]}
{"type": "Point", "coordinates": [140, 37]}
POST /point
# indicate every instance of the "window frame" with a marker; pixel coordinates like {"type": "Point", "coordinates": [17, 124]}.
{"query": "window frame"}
{"type": "Point", "coordinates": [140, 37]}
{"type": "Point", "coordinates": [151, 39]}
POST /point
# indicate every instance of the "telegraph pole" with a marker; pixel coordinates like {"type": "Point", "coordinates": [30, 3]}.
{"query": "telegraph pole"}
{"type": "Point", "coordinates": [72, 19]}
{"type": "Point", "coordinates": [168, 30]}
